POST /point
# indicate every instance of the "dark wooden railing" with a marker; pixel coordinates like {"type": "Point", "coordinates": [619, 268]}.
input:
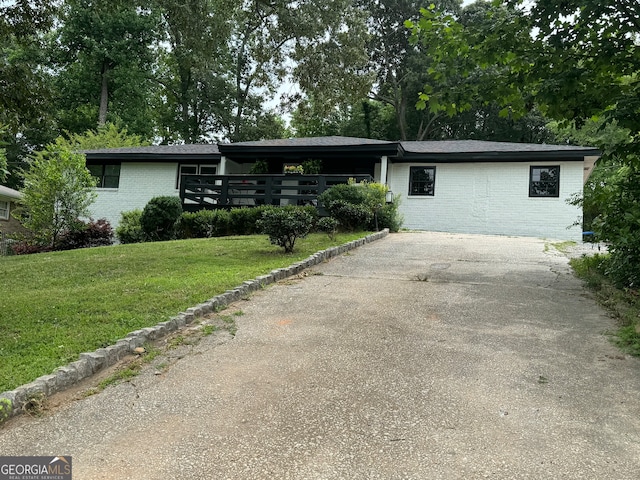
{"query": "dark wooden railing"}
{"type": "Point", "coordinates": [226, 191]}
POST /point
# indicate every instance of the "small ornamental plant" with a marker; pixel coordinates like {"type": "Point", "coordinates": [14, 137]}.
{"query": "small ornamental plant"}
{"type": "Point", "coordinates": [285, 225]}
{"type": "Point", "coordinates": [294, 169]}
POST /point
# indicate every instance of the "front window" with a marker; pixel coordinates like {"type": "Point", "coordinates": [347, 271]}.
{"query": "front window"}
{"type": "Point", "coordinates": [106, 175]}
{"type": "Point", "coordinates": [544, 182]}
{"type": "Point", "coordinates": [4, 210]}
{"type": "Point", "coordinates": [194, 170]}
{"type": "Point", "coordinates": [422, 181]}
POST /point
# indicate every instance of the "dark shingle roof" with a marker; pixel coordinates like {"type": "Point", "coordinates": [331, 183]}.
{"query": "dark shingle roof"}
{"type": "Point", "coordinates": [330, 141]}
{"type": "Point", "coordinates": [480, 150]}
{"type": "Point", "coordinates": [161, 149]}
{"type": "Point", "coordinates": [477, 146]}
{"type": "Point", "coordinates": [404, 151]}
{"type": "Point", "coordinates": [157, 153]}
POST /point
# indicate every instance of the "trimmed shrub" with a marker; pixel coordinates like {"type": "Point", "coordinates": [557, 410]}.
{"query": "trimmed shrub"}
{"type": "Point", "coordinates": [204, 224]}
{"type": "Point", "coordinates": [329, 225]}
{"type": "Point", "coordinates": [129, 229]}
{"type": "Point", "coordinates": [159, 218]}
{"type": "Point", "coordinates": [358, 206]}
{"type": "Point", "coordinates": [350, 216]}
{"type": "Point", "coordinates": [388, 216]}
{"type": "Point", "coordinates": [285, 225]}
{"type": "Point", "coordinates": [243, 220]}
{"type": "Point", "coordinates": [349, 193]}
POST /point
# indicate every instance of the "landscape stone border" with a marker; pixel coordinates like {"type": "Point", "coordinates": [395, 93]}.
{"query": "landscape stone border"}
{"type": "Point", "coordinates": [93, 362]}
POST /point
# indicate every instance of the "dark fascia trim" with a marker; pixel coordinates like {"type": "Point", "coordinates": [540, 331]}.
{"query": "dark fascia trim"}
{"type": "Point", "coordinates": [93, 158]}
{"type": "Point", "coordinates": [252, 152]}
{"type": "Point", "coordinates": [479, 157]}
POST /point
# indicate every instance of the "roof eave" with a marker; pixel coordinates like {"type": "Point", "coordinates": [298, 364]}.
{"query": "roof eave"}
{"type": "Point", "coordinates": [152, 157]}
{"type": "Point", "coordinates": [472, 157]}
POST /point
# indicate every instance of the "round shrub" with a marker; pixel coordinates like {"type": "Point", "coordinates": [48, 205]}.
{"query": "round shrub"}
{"type": "Point", "coordinates": [129, 229]}
{"type": "Point", "coordinates": [285, 225]}
{"type": "Point", "coordinates": [329, 225]}
{"type": "Point", "coordinates": [351, 217]}
{"type": "Point", "coordinates": [159, 218]}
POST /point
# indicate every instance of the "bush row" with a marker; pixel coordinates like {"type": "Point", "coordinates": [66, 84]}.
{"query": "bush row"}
{"type": "Point", "coordinates": [351, 207]}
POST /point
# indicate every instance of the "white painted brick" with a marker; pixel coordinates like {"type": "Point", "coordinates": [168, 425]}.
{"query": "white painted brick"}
{"type": "Point", "coordinates": [491, 198]}
{"type": "Point", "coordinates": [139, 183]}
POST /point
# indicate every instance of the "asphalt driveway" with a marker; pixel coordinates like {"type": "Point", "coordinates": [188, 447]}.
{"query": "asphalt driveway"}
{"type": "Point", "coordinates": [419, 356]}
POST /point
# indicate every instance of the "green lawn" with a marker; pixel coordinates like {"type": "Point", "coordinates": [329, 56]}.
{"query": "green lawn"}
{"type": "Point", "coordinates": [53, 306]}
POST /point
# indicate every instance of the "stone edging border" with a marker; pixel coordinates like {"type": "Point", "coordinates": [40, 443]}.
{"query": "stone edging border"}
{"type": "Point", "coordinates": [92, 362]}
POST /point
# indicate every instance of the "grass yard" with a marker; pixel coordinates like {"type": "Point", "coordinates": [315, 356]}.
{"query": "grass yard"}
{"type": "Point", "coordinates": [54, 306]}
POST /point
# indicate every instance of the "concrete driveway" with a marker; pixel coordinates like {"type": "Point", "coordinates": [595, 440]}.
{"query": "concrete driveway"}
{"type": "Point", "coordinates": [420, 356]}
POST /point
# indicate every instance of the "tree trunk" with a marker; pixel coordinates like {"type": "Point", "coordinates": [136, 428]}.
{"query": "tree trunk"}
{"type": "Point", "coordinates": [104, 95]}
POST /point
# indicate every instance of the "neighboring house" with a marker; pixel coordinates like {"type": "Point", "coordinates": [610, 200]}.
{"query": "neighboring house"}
{"type": "Point", "coordinates": [451, 186]}
{"type": "Point", "coordinates": [8, 224]}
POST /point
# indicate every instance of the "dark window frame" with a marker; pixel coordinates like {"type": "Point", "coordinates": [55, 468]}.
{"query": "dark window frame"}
{"type": "Point", "coordinates": [419, 187]}
{"type": "Point", "coordinates": [544, 188]}
{"type": "Point", "coordinates": [106, 179]}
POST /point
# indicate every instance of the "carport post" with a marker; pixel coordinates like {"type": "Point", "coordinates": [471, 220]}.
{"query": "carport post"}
{"type": "Point", "coordinates": [384, 163]}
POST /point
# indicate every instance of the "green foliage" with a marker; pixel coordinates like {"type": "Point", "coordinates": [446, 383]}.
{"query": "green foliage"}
{"type": "Point", "coordinates": [57, 193]}
{"type": "Point", "coordinates": [159, 218]}
{"type": "Point", "coordinates": [204, 224]}
{"type": "Point", "coordinates": [351, 217]}
{"type": "Point", "coordinates": [285, 225]}
{"type": "Point", "coordinates": [105, 50]}
{"type": "Point", "coordinates": [329, 225]}
{"type": "Point", "coordinates": [6, 407]}
{"type": "Point", "coordinates": [260, 167]}
{"type": "Point", "coordinates": [3, 166]}
{"type": "Point", "coordinates": [105, 136]}
{"type": "Point", "coordinates": [601, 184]}
{"type": "Point", "coordinates": [619, 225]}
{"type": "Point", "coordinates": [361, 206]}
{"type": "Point", "coordinates": [243, 221]}
{"type": "Point", "coordinates": [129, 229]}
{"type": "Point", "coordinates": [348, 193]}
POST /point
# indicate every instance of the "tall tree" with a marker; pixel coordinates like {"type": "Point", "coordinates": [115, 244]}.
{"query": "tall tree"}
{"type": "Point", "coordinates": [316, 44]}
{"type": "Point", "coordinates": [105, 54]}
{"type": "Point", "coordinates": [401, 70]}
{"type": "Point", "coordinates": [194, 68]}
{"type": "Point", "coordinates": [25, 86]}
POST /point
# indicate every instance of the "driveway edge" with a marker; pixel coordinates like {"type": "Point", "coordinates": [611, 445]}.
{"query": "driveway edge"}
{"type": "Point", "coordinates": [13, 402]}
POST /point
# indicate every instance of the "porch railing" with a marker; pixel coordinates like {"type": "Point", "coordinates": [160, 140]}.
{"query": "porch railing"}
{"type": "Point", "coordinates": [226, 191]}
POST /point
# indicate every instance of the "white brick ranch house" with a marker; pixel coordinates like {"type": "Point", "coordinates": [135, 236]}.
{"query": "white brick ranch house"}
{"type": "Point", "coordinates": [462, 186]}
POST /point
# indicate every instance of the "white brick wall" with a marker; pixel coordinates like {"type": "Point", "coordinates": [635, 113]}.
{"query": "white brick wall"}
{"type": "Point", "coordinates": [490, 198]}
{"type": "Point", "coordinates": [139, 183]}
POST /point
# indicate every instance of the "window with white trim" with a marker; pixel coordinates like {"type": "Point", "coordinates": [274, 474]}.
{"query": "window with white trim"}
{"type": "Point", "coordinates": [4, 210]}
{"type": "Point", "coordinates": [422, 181]}
{"type": "Point", "coordinates": [194, 170]}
